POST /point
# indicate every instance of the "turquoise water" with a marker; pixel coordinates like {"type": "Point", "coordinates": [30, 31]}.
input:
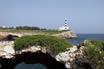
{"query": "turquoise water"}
{"type": "Point", "coordinates": [30, 66]}
{"type": "Point", "coordinates": [82, 37]}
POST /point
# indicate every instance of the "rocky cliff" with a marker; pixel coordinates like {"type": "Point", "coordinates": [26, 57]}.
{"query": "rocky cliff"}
{"type": "Point", "coordinates": [66, 34]}
{"type": "Point", "coordinates": [72, 58]}
{"type": "Point", "coordinates": [32, 55]}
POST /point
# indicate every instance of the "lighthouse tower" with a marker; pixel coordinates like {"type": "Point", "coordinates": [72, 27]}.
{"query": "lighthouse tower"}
{"type": "Point", "coordinates": [65, 27]}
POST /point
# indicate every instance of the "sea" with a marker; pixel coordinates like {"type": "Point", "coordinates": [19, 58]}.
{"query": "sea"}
{"type": "Point", "coordinates": [82, 37]}
{"type": "Point", "coordinates": [75, 41]}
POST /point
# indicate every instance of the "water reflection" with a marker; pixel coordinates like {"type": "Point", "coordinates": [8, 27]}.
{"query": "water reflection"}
{"type": "Point", "coordinates": [30, 66]}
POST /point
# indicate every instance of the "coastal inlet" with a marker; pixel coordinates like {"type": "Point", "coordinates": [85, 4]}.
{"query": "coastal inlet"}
{"type": "Point", "coordinates": [49, 52]}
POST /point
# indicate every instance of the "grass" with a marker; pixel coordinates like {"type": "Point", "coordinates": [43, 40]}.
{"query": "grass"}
{"type": "Point", "coordinates": [35, 32]}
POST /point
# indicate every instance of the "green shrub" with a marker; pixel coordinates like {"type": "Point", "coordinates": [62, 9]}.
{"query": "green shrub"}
{"type": "Point", "coordinates": [54, 44]}
{"type": "Point", "coordinates": [96, 43]}
{"type": "Point", "coordinates": [95, 52]}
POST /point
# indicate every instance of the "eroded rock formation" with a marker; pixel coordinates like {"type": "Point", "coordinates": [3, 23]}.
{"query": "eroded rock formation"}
{"type": "Point", "coordinates": [72, 58]}
{"type": "Point", "coordinates": [31, 58]}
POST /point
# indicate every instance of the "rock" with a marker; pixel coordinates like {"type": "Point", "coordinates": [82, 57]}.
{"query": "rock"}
{"type": "Point", "coordinates": [67, 57]}
{"type": "Point", "coordinates": [6, 49]}
{"type": "Point", "coordinates": [3, 53]}
{"type": "Point", "coordinates": [68, 65]}
{"type": "Point", "coordinates": [3, 35]}
{"type": "Point", "coordinates": [33, 49]}
{"type": "Point", "coordinates": [73, 49]}
{"type": "Point", "coordinates": [62, 57]}
{"type": "Point", "coordinates": [66, 34]}
{"type": "Point", "coordinates": [8, 56]}
{"type": "Point", "coordinates": [31, 58]}
{"type": "Point", "coordinates": [9, 36]}
{"type": "Point", "coordinates": [15, 34]}
{"type": "Point", "coordinates": [71, 57]}
{"type": "Point", "coordinates": [9, 49]}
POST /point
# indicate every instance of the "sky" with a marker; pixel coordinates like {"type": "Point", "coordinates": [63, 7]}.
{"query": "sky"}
{"type": "Point", "coordinates": [84, 16]}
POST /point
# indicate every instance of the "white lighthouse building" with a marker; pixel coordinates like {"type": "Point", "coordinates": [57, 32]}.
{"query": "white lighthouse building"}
{"type": "Point", "coordinates": [65, 27]}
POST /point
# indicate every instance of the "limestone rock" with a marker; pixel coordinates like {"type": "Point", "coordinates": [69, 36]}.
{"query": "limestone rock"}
{"type": "Point", "coordinates": [68, 65]}
{"type": "Point", "coordinates": [3, 35]}
{"type": "Point", "coordinates": [62, 57]}
{"type": "Point", "coordinates": [33, 49]}
{"type": "Point", "coordinates": [69, 57]}
{"type": "Point", "coordinates": [6, 49]}
{"type": "Point", "coordinates": [66, 34]}
{"type": "Point", "coordinates": [9, 49]}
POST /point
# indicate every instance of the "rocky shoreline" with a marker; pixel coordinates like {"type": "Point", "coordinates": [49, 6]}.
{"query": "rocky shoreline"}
{"type": "Point", "coordinates": [72, 58]}
{"type": "Point", "coordinates": [66, 34]}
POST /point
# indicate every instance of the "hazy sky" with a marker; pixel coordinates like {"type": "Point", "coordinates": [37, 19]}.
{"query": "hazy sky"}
{"type": "Point", "coordinates": [86, 16]}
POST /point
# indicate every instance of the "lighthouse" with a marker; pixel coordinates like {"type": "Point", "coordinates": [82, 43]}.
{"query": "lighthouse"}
{"type": "Point", "coordinates": [65, 27]}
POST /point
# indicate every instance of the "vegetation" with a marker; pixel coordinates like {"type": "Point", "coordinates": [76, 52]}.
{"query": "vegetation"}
{"type": "Point", "coordinates": [54, 44]}
{"type": "Point", "coordinates": [22, 28]}
{"type": "Point", "coordinates": [33, 32]}
{"type": "Point", "coordinates": [95, 52]}
{"type": "Point", "coordinates": [29, 30]}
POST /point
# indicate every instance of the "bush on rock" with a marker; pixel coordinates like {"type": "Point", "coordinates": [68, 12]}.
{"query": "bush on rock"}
{"type": "Point", "coordinates": [54, 44]}
{"type": "Point", "coordinates": [95, 52]}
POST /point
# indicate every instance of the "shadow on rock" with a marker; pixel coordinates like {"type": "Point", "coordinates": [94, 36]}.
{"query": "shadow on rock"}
{"type": "Point", "coordinates": [31, 58]}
